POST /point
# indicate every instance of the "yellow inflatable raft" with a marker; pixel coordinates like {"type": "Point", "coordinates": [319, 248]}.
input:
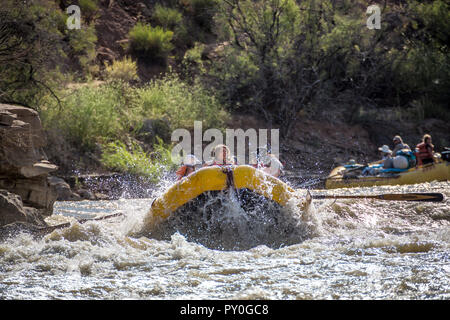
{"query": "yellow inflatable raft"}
{"type": "Point", "coordinates": [216, 179]}
{"type": "Point", "coordinates": [231, 207]}
{"type": "Point", "coordinates": [342, 177]}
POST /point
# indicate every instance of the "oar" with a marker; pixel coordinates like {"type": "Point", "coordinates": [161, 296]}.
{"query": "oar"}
{"type": "Point", "coordinates": [432, 197]}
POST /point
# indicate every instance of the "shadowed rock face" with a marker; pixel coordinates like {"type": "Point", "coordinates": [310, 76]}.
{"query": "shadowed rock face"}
{"type": "Point", "coordinates": [25, 193]}
{"type": "Point", "coordinates": [233, 221]}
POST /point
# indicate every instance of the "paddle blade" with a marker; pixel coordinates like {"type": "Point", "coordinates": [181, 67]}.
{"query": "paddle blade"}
{"type": "Point", "coordinates": [432, 197]}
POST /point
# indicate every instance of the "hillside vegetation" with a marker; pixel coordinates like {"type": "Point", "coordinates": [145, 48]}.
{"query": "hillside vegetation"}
{"type": "Point", "coordinates": [137, 70]}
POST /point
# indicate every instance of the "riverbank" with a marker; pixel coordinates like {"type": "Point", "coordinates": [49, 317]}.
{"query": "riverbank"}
{"type": "Point", "coordinates": [314, 148]}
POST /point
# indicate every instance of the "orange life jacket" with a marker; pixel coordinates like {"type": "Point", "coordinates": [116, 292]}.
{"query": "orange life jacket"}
{"type": "Point", "coordinates": [423, 151]}
{"type": "Point", "coordinates": [184, 171]}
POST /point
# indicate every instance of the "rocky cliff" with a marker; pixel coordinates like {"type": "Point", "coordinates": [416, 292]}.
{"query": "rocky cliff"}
{"type": "Point", "coordinates": [27, 193]}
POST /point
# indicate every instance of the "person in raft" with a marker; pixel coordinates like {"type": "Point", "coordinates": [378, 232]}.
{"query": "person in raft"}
{"type": "Point", "coordinates": [190, 164]}
{"type": "Point", "coordinates": [386, 156]}
{"type": "Point", "coordinates": [386, 160]}
{"type": "Point", "coordinates": [398, 145]}
{"type": "Point", "coordinates": [222, 156]}
{"type": "Point", "coordinates": [425, 151]}
{"type": "Point", "coordinates": [268, 162]}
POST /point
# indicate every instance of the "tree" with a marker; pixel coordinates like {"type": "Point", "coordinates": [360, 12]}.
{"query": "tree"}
{"type": "Point", "coordinates": [36, 47]}
{"type": "Point", "coordinates": [273, 62]}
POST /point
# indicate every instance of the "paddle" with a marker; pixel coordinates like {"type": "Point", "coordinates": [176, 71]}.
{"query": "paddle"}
{"type": "Point", "coordinates": [432, 197]}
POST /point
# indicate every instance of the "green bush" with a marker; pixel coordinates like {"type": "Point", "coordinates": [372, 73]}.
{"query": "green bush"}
{"type": "Point", "coordinates": [192, 60]}
{"type": "Point", "coordinates": [136, 161]}
{"type": "Point", "coordinates": [83, 42]}
{"type": "Point", "coordinates": [168, 18]}
{"type": "Point", "coordinates": [125, 70]}
{"type": "Point", "coordinates": [88, 9]}
{"type": "Point", "coordinates": [153, 42]}
{"type": "Point", "coordinates": [35, 47]}
{"type": "Point", "coordinates": [92, 114]}
{"type": "Point", "coordinates": [181, 103]}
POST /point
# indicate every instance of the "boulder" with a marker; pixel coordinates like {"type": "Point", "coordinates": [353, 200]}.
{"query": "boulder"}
{"type": "Point", "coordinates": [86, 194]}
{"type": "Point", "coordinates": [62, 189]}
{"type": "Point", "coordinates": [7, 118]}
{"type": "Point", "coordinates": [13, 210]}
{"type": "Point", "coordinates": [27, 195]}
{"type": "Point", "coordinates": [22, 138]}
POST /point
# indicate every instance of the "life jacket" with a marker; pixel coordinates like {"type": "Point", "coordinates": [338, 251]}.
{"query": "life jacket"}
{"type": "Point", "coordinates": [408, 154]}
{"type": "Point", "coordinates": [184, 171]}
{"type": "Point", "coordinates": [422, 151]}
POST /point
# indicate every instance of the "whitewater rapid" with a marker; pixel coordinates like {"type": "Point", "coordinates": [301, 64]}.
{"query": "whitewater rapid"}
{"type": "Point", "coordinates": [351, 249]}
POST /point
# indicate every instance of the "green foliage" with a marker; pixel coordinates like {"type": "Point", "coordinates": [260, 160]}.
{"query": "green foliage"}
{"type": "Point", "coordinates": [83, 42]}
{"type": "Point", "coordinates": [95, 114]}
{"type": "Point", "coordinates": [269, 68]}
{"type": "Point", "coordinates": [192, 60]}
{"type": "Point", "coordinates": [434, 16]}
{"type": "Point", "coordinates": [88, 9]}
{"type": "Point", "coordinates": [124, 70]}
{"type": "Point", "coordinates": [30, 44]}
{"type": "Point", "coordinates": [168, 18]}
{"type": "Point", "coordinates": [423, 73]}
{"type": "Point", "coordinates": [134, 160]}
{"type": "Point", "coordinates": [92, 114]}
{"type": "Point", "coordinates": [181, 103]}
{"type": "Point", "coordinates": [285, 57]}
{"type": "Point", "coordinates": [152, 42]}
{"type": "Point", "coordinates": [202, 11]}
{"type": "Point", "coordinates": [37, 47]}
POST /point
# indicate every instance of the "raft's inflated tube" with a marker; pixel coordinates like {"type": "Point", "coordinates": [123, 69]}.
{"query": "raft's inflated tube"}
{"type": "Point", "coordinates": [215, 179]}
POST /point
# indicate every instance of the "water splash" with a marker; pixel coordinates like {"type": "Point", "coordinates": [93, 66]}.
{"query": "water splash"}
{"type": "Point", "coordinates": [230, 220]}
{"type": "Point", "coordinates": [350, 249]}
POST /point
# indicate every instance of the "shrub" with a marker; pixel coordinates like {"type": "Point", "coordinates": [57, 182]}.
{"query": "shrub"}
{"type": "Point", "coordinates": [83, 43]}
{"type": "Point", "coordinates": [168, 18]}
{"type": "Point", "coordinates": [125, 70]}
{"type": "Point", "coordinates": [192, 59]}
{"type": "Point", "coordinates": [32, 47]}
{"type": "Point", "coordinates": [181, 103]}
{"type": "Point", "coordinates": [136, 161]}
{"type": "Point", "coordinates": [92, 114]}
{"type": "Point", "coordinates": [88, 8]}
{"type": "Point", "coordinates": [153, 42]}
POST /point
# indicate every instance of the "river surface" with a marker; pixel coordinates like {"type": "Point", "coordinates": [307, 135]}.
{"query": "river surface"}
{"type": "Point", "coordinates": [353, 249]}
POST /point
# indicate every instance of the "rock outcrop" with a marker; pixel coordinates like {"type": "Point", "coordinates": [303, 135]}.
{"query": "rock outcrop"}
{"type": "Point", "coordinates": [25, 192]}
{"type": "Point", "coordinates": [12, 210]}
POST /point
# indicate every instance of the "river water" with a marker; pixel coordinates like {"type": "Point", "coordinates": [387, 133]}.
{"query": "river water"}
{"type": "Point", "coordinates": [351, 249]}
